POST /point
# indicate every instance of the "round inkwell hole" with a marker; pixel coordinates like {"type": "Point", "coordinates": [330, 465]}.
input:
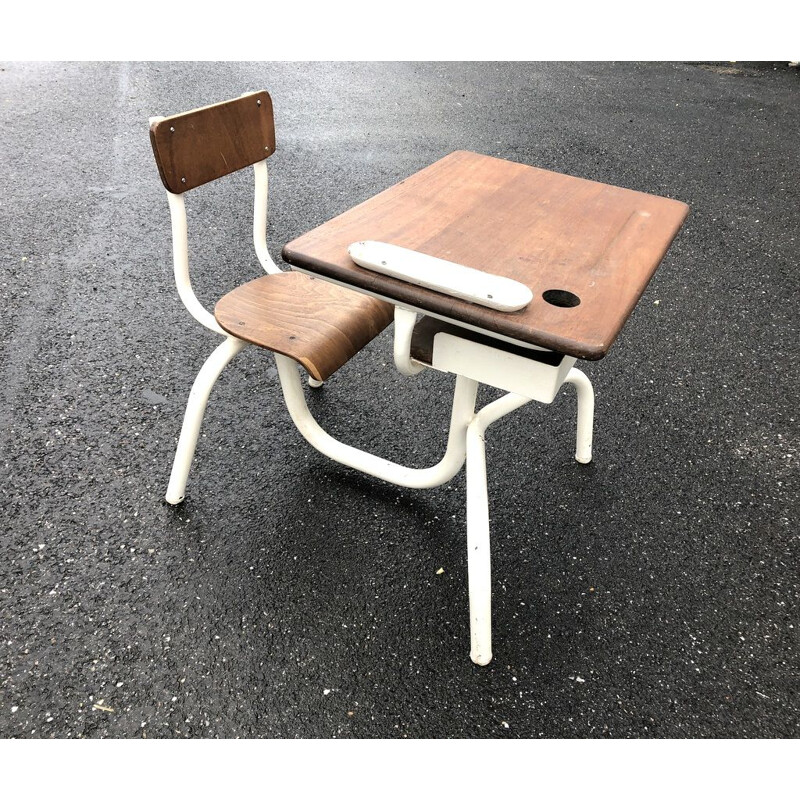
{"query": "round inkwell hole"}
{"type": "Point", "coordinates": [561, 298]}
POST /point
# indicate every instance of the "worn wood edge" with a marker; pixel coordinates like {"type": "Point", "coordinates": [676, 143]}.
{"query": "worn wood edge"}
{"type": "Point", "coordinates": [630, 308]}
{"type": "Point", "coordinates": [445, 306]}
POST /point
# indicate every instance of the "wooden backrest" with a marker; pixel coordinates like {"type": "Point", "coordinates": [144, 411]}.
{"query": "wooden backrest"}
{"type": "Point", "coordinates": [202, 145]}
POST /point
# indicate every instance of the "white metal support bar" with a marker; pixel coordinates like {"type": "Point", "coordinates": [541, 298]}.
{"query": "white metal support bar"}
{"type": "Point", "coordinates": [461, 416]}
{"type": "Point", "coordinates": [180, 256]}
{"type": "Point", "coordinates": [195, 410]}
{"type": "Point", "coordinates": [261, 177]}
{"type": "Point", "coordinates": [404, 321]}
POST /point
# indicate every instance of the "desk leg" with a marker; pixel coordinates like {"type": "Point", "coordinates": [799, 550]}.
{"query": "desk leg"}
{"type": "Point", "coordinates": [478, 545]}
{"type": "Point", "coordinates": [479, 564]}
{"type": "Point", "coordinates": [583, 386]}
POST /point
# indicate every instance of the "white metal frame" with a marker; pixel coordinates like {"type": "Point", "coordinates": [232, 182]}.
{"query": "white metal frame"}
{"type": "Point", "coordinates": [524, 379]}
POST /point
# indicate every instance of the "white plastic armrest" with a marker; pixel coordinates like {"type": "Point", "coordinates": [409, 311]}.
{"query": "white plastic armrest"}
{"type": "Point", "coordinates": [456, 280]}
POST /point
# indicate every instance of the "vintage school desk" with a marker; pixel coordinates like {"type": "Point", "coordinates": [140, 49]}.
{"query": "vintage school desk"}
{"type": "Point", "coordinates": [497, 272]}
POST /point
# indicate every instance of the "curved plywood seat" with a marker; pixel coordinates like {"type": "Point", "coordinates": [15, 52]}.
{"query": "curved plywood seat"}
{"type": "Point", "coordinates": [318, 324]}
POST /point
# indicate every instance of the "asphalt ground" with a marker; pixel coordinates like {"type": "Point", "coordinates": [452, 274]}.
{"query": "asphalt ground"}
{"type": "Point", "coordinates": [653, 593]}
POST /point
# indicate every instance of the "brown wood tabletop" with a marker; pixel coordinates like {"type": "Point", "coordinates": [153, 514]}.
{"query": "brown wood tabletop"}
{"type": "Point", "coordinates": [587, 250]}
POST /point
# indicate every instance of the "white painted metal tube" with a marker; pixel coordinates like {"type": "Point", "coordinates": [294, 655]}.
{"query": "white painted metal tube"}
{"type": "Point", "coordinates": [478, 543]}
{"type": "Point", "coordinates": [261, 176]}
{"type": "Point", "coordinates": [462, 414]}
{"type": "Point", "coordinates": [180, 257]}
{"type": "Point", "coordinates": [497, 409]}
{"type": "Point", "coordinates": [195, 410]}
{"type": "Point", "coordinates": [583, 442]}
{"type": "Point", "coordinates": [404, 321]}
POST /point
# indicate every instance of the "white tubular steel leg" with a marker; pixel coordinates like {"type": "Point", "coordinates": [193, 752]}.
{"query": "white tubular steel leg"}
{"type": "Point", "coordinates": [478, 547]}
{"type": "Point", "coordinates": [583, 444]}
{"type": "Point", "coordinates": [195, 410]}
{"type": "Point", "coordinates": [451, 463]}
{"type": "Point", "coordinates": [314, 383]}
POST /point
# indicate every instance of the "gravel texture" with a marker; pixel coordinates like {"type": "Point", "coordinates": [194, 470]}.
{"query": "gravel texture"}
{"type": "Point", "coordinates": [653, 593]}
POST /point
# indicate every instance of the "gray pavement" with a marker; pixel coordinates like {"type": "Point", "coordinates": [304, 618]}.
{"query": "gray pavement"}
{"type": "Point", "coordinates": [653, 593]}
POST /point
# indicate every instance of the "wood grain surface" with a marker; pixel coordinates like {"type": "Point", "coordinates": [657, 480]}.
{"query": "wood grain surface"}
{"type": "Point", "coordinates": [554, 233]}
{"type": "Point", "coordinates": [317, 324]}
{"type": "Point", "coordinates": [202, 145]}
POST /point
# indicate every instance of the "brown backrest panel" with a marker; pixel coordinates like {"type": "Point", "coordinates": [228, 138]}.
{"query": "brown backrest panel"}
{"type": "Point", "coordinates": [202, 145]}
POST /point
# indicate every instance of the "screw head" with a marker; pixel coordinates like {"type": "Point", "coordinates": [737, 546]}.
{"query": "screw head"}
{"type": "Point", "coordinates": [183, 180]}
{"type": "Point", "coordinates": [172, 130]}
{"type": "Point", "coordinates": [258, 102]}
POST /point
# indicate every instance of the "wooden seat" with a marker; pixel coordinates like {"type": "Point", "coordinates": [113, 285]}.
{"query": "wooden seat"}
{"type": "Point", "coordinates": [317, 324]}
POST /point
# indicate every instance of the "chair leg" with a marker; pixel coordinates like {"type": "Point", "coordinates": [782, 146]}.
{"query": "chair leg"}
{"type": "Point", "coordinates": [193, 418]}
{"type": "Point", "coordinates": [478, 546]}
{"type": "Point", "coordinates": [314, 383]}
{"type": "Point", "coordinates": [583, 386]}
